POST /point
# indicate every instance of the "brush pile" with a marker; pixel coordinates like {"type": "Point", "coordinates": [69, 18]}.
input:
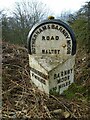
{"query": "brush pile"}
{"type": "Point", "coordinates": [22, 100]}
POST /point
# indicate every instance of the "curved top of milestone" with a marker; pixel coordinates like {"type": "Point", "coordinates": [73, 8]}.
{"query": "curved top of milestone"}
{"type": "Point", "coordinates": [51, 37]}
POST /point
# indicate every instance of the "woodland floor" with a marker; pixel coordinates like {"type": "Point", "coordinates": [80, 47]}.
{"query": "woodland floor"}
{"type": "Point", "coordinates": [22, 100]}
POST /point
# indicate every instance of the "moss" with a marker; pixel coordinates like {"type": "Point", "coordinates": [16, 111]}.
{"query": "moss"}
{"type": "Point", "coordinates": [76, 91]}
{"type": "Point", "coordinates": [54, 92]}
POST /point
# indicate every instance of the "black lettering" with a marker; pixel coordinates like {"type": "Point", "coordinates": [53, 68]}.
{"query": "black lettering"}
{"type": "Point", "coordinates": [59, 80]}
{"type": "Point", "coordinates": [58, 51]}
{"type": "Point", "coordinates": [57, 37]}
{"type": "Point", "coordinates": [60, 28]}
{"type": "Point", "coordinates": [33, 39]}
{"type": "Point", "coordinates": [63, 85]}
{"type": "Point", "coordinates": [44, 27]}
{"type": "Point", "coordinates": [65, 72]}
{"type": "Point", "coordinates": [59, 87]}
{"type": "Point", "coordinates": [33, 45]}
{"type": "Point", "coordinates": [62, 79]}
{"type": "Point", "coordinates": [39, 73]}
{"type": "Point", "coordinates": [65, 78]}
{"type": "Point", "coordinates": [67, 36]}
{"type": "Point", "coordinates": [56, 27]}
{"type": "Point", "coordinates": [37, 32]}
{"type": "Point", "coordinates": [35, 35]}
{"type": "Point", "coordinates": [55, 76]}
{"type": "Point", "coordinates": [38, 78]}
{"type": "Point", "coordinates": [43, 51]}
{"type": "Point", "coordinates": [62, 73]}
{"type": "Point", "coordinates": [49, 51]}
{"type": "Point", "coordinates": [35, 76]}
{"type": "Point", "coordinates": [52, 51]}
{"type": "Point", "coordinates": [68, 77]}
{"type": "Point", "coordinates": [52, 38]}
{"type": "Point", "coordinates": [48, 26]}
{"type": "Point", "coordinates": [40, 30]}
{"type": "Point", "coordinates": [53, 26]}
{"type": "Point", "coordinates": [71, 70]}
{"type": "Point", "coordinates": [68, 42]}
{"type": "Point", "coordinates": [46, 52]}
{"type": "Point", "coordinates": [63, 31]}
{"type": "Point", "coordinates": [68, 71]}
{"type": "Point", "coordinates": [68, 50]}
{"type": "Point", "coordinates": [55, 51]}
{"type": "Point", "coordinates": [32, 74]}
{"type": "Point", "coordinates": [69, 82]}
{"type": "Point", "coordinates": [43, 37]}
{"type": "Point", "coordinates": [48, 38]}
{"type": "Point", "coordinates": [58, 75]}
{"type": "Point", "coordinates": [66, 83]}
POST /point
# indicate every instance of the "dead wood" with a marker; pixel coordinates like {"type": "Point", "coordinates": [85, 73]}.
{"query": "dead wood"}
{"type": "Point", "coordinates": [22, 100]}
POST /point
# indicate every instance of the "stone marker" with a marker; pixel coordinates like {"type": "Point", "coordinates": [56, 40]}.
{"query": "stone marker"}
{"type": "Point", "coordinates": [52, 48]}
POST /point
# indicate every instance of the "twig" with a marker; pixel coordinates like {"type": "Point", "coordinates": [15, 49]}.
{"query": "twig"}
{"type": "Point", "coordinates": [64, 106]}
{"type": "Point", "coordinates": [9, 90]}
{"type": "Point", "coordinates": [47, 111]}
{"type": "Point", "coordinates": [14, 66]}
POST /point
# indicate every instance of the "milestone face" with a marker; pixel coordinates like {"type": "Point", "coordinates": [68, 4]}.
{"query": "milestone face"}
{"type": "Point", "coordinates": [52, 48]}
{"type": "Point", "coordinates": [51, 39]}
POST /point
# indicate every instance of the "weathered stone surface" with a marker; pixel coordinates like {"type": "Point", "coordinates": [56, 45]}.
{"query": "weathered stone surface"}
{"type": "Point", "coordinates": [47, 76]}
{"type": "Point", "coordinates": [52, 47]}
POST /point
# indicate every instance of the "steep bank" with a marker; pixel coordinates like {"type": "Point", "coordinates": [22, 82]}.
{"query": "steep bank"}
{"type": "Point", "coordinates": [22, 100]}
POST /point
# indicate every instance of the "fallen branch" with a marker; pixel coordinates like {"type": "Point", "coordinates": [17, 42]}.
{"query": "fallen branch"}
{"type": "Point", "coordinates": [64, 106]}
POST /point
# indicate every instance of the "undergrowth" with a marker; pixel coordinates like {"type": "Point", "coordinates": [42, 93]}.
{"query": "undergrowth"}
{"type": "Point", "coordinates": [79, 92]}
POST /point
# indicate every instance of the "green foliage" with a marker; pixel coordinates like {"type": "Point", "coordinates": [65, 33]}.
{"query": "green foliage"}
{"type": "Point", "coordinates": [15, 29]}
{"type": "Point", "coordinates": [81, 27]}
{"type": "Point", "coordinates": [76, 91]}
{"type": "Point", "coordinates": [12, 32]}
{"type": "Point", "coordinates": [54, 92]}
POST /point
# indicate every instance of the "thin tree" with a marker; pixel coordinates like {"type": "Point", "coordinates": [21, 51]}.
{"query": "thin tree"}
{"type": "Point", "coordinates": [26, 14]}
